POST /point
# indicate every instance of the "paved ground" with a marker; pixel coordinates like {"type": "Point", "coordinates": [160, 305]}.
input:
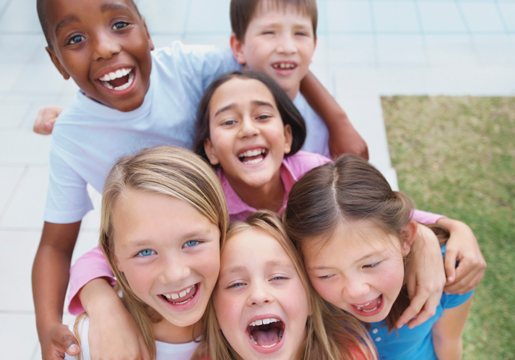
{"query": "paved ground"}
{"type": "Point", "coordinates": [366, 48]}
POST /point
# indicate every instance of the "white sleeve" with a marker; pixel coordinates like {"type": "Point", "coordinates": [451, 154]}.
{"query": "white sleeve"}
{"type": "Point", "coordinates": [67, 197]}
{"type": "Point", "coordinates": [83, 329]}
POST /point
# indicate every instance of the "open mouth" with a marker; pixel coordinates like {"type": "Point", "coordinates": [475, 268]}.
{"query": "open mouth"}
{"type": "Point", "coordinates": [182, 297]}
{"type": "Point", "coordinates": [370, 308]}
{"type": "Point", "coordinates": [266, 333]}
{"type": "Point", "coordinates": [118, 80]}
{"type": "Point", "coordinates": [284, 65]}
{"type": "Point", "coordinates": [251, 157]}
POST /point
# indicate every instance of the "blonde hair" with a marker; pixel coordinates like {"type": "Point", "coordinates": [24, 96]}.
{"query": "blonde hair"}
{"type": "Point", "coordinates": [165, 170]}
{"type": "Point", "coordinates": [330, 334]}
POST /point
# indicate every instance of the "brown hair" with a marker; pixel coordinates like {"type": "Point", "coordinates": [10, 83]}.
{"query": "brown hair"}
{"type": "Point", "coordinates": [288, 111]}
{"type": "Point", "coordinates": [170, 171]}
{"type": "Point", "coordinates": [330, 334]}
{"type": "Point", "coordinates": [349, 189]}
{"type": "Point", "coordinates": [242, 12]}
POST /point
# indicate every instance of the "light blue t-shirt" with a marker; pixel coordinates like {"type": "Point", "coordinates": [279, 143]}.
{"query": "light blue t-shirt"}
{"type": "Point", "coordinates": [416, 343]}
{"type": "Point", "coordinates": [89, 137]}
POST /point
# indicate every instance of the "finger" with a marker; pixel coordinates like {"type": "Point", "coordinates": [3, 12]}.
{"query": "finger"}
{"type": "Point", "coordinates": [466, 283]}
{"type": "Point", "coordinates": [49, 125]}
{"type": "Point", "coordinates": [416, 305]}
{"type": "Point", "coordinates": [69, 342]}
{"type": "Point", "coordinates": [450, 265]}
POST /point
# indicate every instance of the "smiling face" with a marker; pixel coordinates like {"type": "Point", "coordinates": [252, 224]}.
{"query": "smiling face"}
{"type": "Point", "coordinates": [247, 136]}
{"type": "Point", "coordinates": [104, 46]}
{"type": "Point", "coordinates": [357, 270]}
{"type": "Point", "coordinates": [169, 253]}
{"type": "Point", "coordinates": [260, 302]}
{"type": "Point", "coordinates": [279, 43]}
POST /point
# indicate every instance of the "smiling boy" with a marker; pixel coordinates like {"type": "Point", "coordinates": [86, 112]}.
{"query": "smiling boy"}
{"type": "Point", "coordinates": [129, 98]}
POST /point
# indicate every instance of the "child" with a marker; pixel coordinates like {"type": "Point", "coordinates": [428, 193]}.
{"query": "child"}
{"type": "Point", "coordinates": [164, 218]}
{"type": "Point", "coordinates": [248, 124]}
{"type": "Point", "coordinates": [265, 306]}
{"type": "Point", "coordinates": [355, 234]}
{"type": "Point", "coordinates": [130, 98]}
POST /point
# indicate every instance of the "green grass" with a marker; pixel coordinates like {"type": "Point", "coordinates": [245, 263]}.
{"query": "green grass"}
{"type": "Point", "coordinates": [456, 156]}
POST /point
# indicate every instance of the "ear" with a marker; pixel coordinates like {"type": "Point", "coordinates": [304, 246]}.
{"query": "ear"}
{"type": "Point", "coordinates": [210, 152]}
{"type": "Point", "coordinates": [408, 233]}
{"type": "Point", "coordinates": [288, 138]}
{"type": "Point", "coordinates": [148, 34]}
{"type": "Point", "coordinates": [57, 63]}
{"type": "Point", "coordinates": [237, 49]}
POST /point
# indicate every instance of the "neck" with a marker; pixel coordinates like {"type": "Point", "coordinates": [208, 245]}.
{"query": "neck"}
{"type": "Point", "coordinates": [167, 332]}
{"type": "Point", "coordinates": [292, 94]}
{"type": "Point", "coordinates": [267, 197]}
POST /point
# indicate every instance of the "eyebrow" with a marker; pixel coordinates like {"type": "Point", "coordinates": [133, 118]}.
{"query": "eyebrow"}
{"type": "Point", "coordinates": [67, 20]}
{"type": "Point", "coordinates": [254, 102]}
{"type": "Point", "coordinates": [111, 6]}
{"type": "Point", "coordinates": [237, 269]}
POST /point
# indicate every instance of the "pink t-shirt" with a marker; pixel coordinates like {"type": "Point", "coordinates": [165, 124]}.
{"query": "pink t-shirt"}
{"type": "Point", "coordinates": [93, 264]}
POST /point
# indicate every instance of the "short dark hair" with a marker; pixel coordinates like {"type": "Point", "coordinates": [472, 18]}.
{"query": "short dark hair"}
{"type": "Point", "coordinates": [242, 12]}
{"type": "Point", "coordinates": [40, 6]}
{"type": "Point", "coordinates": [289, 113]}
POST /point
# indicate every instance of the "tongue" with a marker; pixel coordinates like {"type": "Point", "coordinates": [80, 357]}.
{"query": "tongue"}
{"type": "Point", "coordinates": [266, 338]}
{"type": "Point", "coordinates": [120, 81]}
{"type": "Point", "coordinates": [372, 305]}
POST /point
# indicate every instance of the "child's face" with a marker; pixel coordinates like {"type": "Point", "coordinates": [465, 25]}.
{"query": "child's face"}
{"type": "Point", "coordinates": [279, 43]}
{"type": "Point", "coordinates": [359, 270]}
{"type": "Point", "coordinates": [104, 47]}
{"type": "Point", "coordinates": [168, 251]}
{"type": "Point", "coordinates": [260, 302]}
{"type": "Point", "coordinates": [247, 136]}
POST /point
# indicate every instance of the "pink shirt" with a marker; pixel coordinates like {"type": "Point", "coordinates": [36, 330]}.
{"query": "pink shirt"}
{"type": "Point", "coordinates": [94, 265]}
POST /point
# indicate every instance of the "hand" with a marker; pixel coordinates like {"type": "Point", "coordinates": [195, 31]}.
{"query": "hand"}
{"type": "Point", "coordinates": [425, 278]}
{"type": "Point", "coordinates": [462, 247]}
{"type": "Point", "coordinates": [58, 342]}
{"type": "Point", "coordinates": [113, 333]}
{"type": "Point", "coordinates": [45, 120]}
{"type": "Point", "coordinates": [345, 139]}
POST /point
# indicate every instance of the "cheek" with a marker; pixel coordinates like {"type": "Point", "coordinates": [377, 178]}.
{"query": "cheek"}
{"type": "Point", "coordinates": [139, 278]}
{"type": "Point", "coordinates": [209, 265]}
{"type": "Point", "coordinates": [327, 291]}
{"type": "Point", "coordinates": [226, 308]}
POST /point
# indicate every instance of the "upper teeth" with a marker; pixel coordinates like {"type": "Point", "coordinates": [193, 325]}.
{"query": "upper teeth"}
{"type": "Point", "coordinates": [284, 66]}
{"type": "Point", "coordinates": [252, 153]}
{"type": "Point", "coordinates": [263, 322]}
{"type": "Point", "coordinates": [115, 74]}
{"type": "Point", "coordinates": [175, 296]}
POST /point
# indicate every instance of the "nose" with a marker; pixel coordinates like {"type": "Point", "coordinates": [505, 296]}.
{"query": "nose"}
{"type": "Point", "coordinates": [355, 288]}
{"type": "Point", "coordinates": [105, 46]}
{"type": "Point", "coordinates": [173, 270]}
{"type": "Point", "coordinates": [287, 45]}
{"type": "Point", "coordinates": [259, 295]}
{"type": "Point", "coordinates": [248, 128]}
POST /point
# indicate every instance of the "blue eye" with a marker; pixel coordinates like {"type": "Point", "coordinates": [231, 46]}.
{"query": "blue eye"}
{"type": "Point", "coordinates": [191, 243]}
{"type": "Point", "coordinates": [146, 252]}
{"type": "Point", "coordinates": [371, 266]}
{"type": "Point", "coordinates": [236, 285]}
{"type": "Point", "coordinates": [119, 25]}
{"type": "Point", "coordinates": [280, 278]}
{"type": "Point", "coordinates": [75, 39]}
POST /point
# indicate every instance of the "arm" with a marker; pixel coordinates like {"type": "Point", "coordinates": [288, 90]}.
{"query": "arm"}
{"type": "Point", "coordinates": [45, 120]}
{"type": "Point", "coordinates": [447, 332]}
{"type": "Point", "coordinates": [425, 278]}
{"type": "Point", "coordinates": [113, 332]}
{"type": "Point", "coordinates": [462, 247]}
{"type": "Point", "coordinates": [49, 282]}
{"type": "Point", "coordinates": [343, 137]}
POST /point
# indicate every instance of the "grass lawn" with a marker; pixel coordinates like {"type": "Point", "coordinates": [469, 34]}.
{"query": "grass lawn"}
{"type": "Point", "coordinates": [456, 156]}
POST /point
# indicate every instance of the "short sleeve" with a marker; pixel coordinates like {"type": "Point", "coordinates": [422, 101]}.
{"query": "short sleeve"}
{"type": "Point", "coordinates": [92, 265]}
{"type": "Point", "coordinates": [67, 200]}
{"type": "Point", "coordinates": [425, 217]}
{"type": "Point", "coordinates": [453, 300]}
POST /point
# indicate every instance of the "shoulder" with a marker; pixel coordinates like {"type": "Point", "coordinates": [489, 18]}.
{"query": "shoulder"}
{"type": "Point", "coordinates": [449, 301]}
{"type": "Point", "coordinates": [303, 161]}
